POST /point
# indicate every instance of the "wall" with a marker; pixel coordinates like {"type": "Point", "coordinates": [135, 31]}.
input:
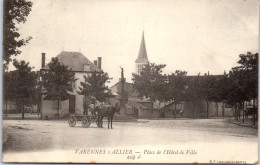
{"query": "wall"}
{"type": "Point", "coordinates": [199, 108]}
{"type": "Point", "coordinates": [168, 110]}
{"type": "Point", "coordinates": [49, 109]}
{"type": "Point", "coordinates": [148, 113]}
{"type": "Point", "coordinates": [48, 106]}
{"type": "Point", "coordinates": [79, 98]}
{"type": "Point", "coordinates": [11, 108]}
{"type": "Point", "coordinates": [147, 104]}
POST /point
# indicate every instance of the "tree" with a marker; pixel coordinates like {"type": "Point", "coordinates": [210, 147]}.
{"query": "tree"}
{"type": "Point", "coordinates": [237, 89]}
{"type": "Point", "coordinates": [209, 90]}
{"type": "Point", "coordinates": [222, 89]}
{"type": "Point", "coordinates": [150, 82]}
{"type": "Point", "coordinates": [249, 64]}
{"type": "Point", "coordinates": [8, 88]}
{"type": "Point", "coordinates": [57, 82]}
{"type": "Point", "coordinates": [243, 80]}
{"type": "Point", "coordinates": [94, 86]}
{"type": "Point", "coordinates": [193, 91]}
{"type": "Point", "coordinates": [15, 12]}
{"type": "Point", "coordinates": [23, 81]}
{"type": "Point", "coordinates": [176, 86]}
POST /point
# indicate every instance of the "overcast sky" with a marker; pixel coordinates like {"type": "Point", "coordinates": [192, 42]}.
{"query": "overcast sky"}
{"type": "Point", "coordinates": [191, 35]}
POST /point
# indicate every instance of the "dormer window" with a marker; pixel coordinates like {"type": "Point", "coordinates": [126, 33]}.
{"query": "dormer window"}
{"type": "Point", "coordinates": [86, 67]}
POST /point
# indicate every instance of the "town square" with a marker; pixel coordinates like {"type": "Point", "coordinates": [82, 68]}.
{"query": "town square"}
{"type": "Point", "coordinates": [21, 137]}
{"type": "Point", "coordinates": [144, 81]}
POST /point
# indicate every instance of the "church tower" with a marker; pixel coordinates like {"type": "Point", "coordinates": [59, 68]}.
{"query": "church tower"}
{"type": "Point", "coordinates": [142, 58]}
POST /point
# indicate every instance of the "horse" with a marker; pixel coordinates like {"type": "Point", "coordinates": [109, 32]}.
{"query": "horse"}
{"type": "Point", "coordinates": [107, 111]}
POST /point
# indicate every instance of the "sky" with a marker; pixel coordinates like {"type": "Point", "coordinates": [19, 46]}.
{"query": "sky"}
{"type": "Point", "coordinates": [195, 36]}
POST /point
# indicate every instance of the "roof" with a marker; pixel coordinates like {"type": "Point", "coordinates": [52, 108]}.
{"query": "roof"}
{"type": "Point", "coordinates": [128, 88]}
{"type": "Point", "coordinates": [142, 55]}
{"type": "Point", "coordinates": [135, 104]}
{"type": "Point", "coordinates": [168, 105]}
{"type": "Point", "coordinates": [74, 61]}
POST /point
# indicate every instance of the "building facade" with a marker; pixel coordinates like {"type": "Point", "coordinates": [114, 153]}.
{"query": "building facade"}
{"type": "Point", "coordinates": [81, 66]}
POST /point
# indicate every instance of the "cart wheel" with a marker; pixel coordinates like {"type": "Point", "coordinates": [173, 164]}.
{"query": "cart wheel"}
{"type": "Point", "coordinates": [86, 121]}
{"type": "Point", "coordinates": [72, 120]}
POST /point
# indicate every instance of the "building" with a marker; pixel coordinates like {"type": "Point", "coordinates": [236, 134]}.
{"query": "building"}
{"type": "Point", "coordinates": [143, 108]}
{"type": "Point", "coordinates": [197, 109]}
{"type": "Point", "coordinates": [136, 107]}
{"type": "Point", "coordinates": [81, 66]}
{"type": "Point", "coordinates": [142, 58]}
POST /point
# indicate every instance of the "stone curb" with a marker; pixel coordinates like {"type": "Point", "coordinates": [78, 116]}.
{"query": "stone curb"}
{"type": "Point", "coordinates": [114, 120]}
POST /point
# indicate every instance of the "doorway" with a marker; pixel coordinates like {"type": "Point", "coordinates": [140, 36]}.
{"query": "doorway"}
{"type": "Point", "coordinates": [72, 104]}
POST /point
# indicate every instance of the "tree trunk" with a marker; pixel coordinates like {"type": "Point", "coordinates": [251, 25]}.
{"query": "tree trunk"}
{"type": "Point", "coordinates": [208, 103]}
{"type": "Point", "coordinates": [38, 109]}
{"type": "Point", "coordinates": [235, 112]}
{"type": "Point", "coordinates": [223, 110]}
{"type": "Point", "coordinates": [39, 106]}
{"type": "Point", "coordinates": [58, 115]}
{"type": "Point", "coordinates": [17, 106]}
{"type": "Point", "coordinates": [22, 108]}
{"type": "Point", "coordinates": [41, 97]}
{"type": "Point", "coordinates": [254, 112]}
{"type": "Point", "coordinates": [193, 109]}
{"type": "Point", "coordinates": [243, 112]}
{"type": "Point", "coordinates": [217, 109]}
{"type": "Point", "coordinates": [41, 102]}
{"type": "Point", "coordinates": [174, 110]}
{"type": "Point", "coordinates": [239, 111]}
{"type": "Point", "coordinates": [6, 107]}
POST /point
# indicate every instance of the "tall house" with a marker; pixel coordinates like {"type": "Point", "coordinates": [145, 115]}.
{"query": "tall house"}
{"type": "Point", "coordinates": [142, 58]}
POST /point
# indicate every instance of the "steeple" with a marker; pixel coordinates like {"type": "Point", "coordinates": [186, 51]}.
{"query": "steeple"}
{"type": "Point", "coordinates": [142, 58]}
{"type": "Point", "coordinates": [142, 55]}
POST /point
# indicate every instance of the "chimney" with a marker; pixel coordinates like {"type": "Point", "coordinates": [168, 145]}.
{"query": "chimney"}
{"type": "Point", "coordinates": [99, 62]}
{"type": "Point", "coordinates": [43, 60]}
{"type": "Point", "coordinates": [95, 62]}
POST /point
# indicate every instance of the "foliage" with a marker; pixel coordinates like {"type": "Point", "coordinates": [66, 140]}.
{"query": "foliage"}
{"type": "Point", "coordinates": [242, 83]}
{"type": "Point", "coordinates": [234, 88]}
{"type": "Point", "coordinates": [243, 79]}
{"type": "Point", "coordinates": [15, 12]}
{"type": "Point", "coordinates": [249, 65]}
{"type": "Point", "coordinates": [209, 90]}
{"type": "Point", "coordinates": [193, 90]}
{"type": "Point", "coordinates": [177, 83]}
{"type": "Point", "coordinates": [24, 79]}
{"type": "Point", "coordinates": [20, 83]}
{"type": "Point", "coordinates": [94, 86]}
{"type": "Point", "coordinates": [57, 82]}
{"type": "Point", "coordinates": [8, 85]}
{"type": "Point", "coordinates": [150, 83]}
{"type": "Point", "coordinates": [237, 92]}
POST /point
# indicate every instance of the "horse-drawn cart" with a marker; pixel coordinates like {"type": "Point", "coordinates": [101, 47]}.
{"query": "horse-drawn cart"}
{"type": "Point", "coordinates": [97, 113]}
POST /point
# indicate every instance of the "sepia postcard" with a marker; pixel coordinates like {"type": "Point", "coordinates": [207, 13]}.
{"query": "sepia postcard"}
{"type": "Point", "coordinates": [130, 81]}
